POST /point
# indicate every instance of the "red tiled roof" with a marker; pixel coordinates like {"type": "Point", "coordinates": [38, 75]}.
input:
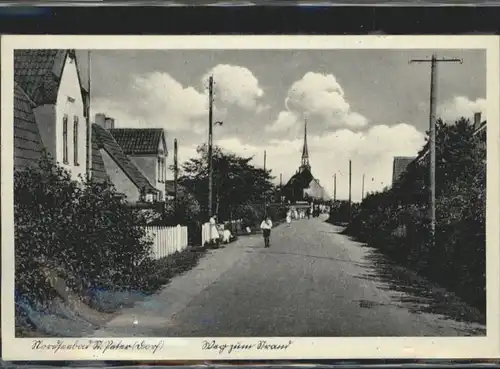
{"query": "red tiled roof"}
{"type": "Point", "coordinates": [105, 140]}
{"type": "Point", "coordinates": [139, 140]}
{"type": "Point", "coordinates": [27, 141]}
{"type": "Point", "coordinates": [38, 73]}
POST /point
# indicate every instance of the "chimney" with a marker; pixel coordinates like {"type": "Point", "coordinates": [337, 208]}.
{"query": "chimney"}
{"type": "Point", "coordinates": [109, 123]}
{"type": "Point", "coordinates": [100, 120]}
{"type": "Point", "coordinates": [477, 120]}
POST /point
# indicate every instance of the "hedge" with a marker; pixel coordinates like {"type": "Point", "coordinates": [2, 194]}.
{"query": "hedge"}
{"type": "Point", "coordinates": [82, 229]}
{"type": "Point", "coordinates": [395, 220]}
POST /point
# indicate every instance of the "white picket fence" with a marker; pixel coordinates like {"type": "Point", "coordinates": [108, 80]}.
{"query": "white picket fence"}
{"type": "Point", "coordinates": [167, 240]}
{"type": "Point", "coordinates": [205, 233]}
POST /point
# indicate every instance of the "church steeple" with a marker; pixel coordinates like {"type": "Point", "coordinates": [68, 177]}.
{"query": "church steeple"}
{"type": "Point", "coordinates": [305, 151]}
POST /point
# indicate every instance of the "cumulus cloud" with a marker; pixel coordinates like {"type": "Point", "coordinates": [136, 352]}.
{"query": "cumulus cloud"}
{"type": "Point", "coordinates": [459, 107]}
{"type": "Point", "coordinates": [320, 97]}
{"type": "Point", "coordinates": [236, 85]}
{"type": "Point", "coordinates": [156, 100]}
{"type": "Point", "coordinates": [372, 153]}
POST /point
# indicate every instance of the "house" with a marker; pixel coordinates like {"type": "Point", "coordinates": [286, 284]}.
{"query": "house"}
{"type": "Point", "coordinates": [399, 166]}
{"type": "Point", "coordinates": [51, 110]}
{"type": "Point", "coordinates": [147, 149]}
{"type": "Point", "coordinates": [116, 166]}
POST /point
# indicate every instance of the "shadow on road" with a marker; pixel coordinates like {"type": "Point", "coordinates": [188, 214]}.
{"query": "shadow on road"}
{"type": "Point", "coordinates": [415, 292]}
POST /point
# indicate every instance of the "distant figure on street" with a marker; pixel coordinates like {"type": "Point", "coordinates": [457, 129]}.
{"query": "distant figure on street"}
{"type": "Point", "coordinates": [308, 213]}
{"type": "Point", "coordinates": [266, 226]}
{"type": "Point", "coordinates": [214, 232]}
{"type": "Point", "coordinates": [289, 217]}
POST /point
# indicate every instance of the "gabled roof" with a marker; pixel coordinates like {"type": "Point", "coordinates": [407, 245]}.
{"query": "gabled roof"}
{"type": "Point", "coordinates": [399, 166]}
{"type": "Point", "coordinates": [38, 73]}
{"type": "Point", "coordinates": [106, 141]}
{"type": "Point", "coordinates": [98, 169]}
{"type": "Point", "coordinates": [301, 179]}
{"type": "Point", "coordinates": [139, 140]}
{"type": "Point", "coordinates": [27, 141]}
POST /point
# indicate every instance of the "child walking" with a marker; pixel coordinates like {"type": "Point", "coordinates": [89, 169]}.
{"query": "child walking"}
{"type": "Point", "coordinates": [289, 217]}
{"type": "Point", "coordinates": [266, 226]}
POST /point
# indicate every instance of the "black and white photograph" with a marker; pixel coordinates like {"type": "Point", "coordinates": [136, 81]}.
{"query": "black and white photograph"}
{"type": "Point", "coordinates": [211, 193]}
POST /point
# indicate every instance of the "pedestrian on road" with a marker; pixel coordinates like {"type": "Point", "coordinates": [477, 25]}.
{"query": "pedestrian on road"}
{"type": "Point", "coordinates": [289, 217]}
{"type": "Point", "coordinates": [214, 232]}
{"type": "Point", "coordinates": [266, 226]}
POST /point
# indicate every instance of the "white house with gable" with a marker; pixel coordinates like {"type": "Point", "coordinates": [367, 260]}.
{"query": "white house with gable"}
{"type": "Point", "coordinates": [53, 82]}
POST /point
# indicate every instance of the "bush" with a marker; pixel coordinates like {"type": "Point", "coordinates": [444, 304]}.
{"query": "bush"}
{"type": "Point", "coordinates": [82, 229]}
{"type": "Point", "coordinates": [395, 220]}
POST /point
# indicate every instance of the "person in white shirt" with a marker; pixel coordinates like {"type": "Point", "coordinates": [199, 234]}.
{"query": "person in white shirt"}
{"type": "Point", "coordinates": [266, 226]}
{"type": "Point", "coordinates": [214, 232]}
{"type": "Point", "coordinates": [289, 217]}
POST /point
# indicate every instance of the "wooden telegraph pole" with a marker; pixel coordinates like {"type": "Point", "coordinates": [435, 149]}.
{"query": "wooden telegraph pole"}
{"type": "Point", "coordinates": [265, 194]}
{"type": "Point", "coordinates": [363, 188]}
{"type": "Point", "coordinates": [432, 135]}
{"type": "Point", "coordinates": [281, 187]}
{"type": "Point", "coordinates": [350, 186]}
{"type": "Point", "coordinates": [176, 175]}
{"type": "Point", "coordinates": [210, 134]}
{"type": "Point", "coordinates": [335, 187]}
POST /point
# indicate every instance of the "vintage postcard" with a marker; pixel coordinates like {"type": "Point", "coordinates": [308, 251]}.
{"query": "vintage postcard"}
{"type": "Point", "coordinates": [244, 197]}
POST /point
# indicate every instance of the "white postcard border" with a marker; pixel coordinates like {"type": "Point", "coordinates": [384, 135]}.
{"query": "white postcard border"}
{"type": "Point", "coordinates": [300, 347]}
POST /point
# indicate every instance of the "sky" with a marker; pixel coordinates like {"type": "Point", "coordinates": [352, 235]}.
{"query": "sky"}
{"type": "Point", "coordinates": [366, 106]}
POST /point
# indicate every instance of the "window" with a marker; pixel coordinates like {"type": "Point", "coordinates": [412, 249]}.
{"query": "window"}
{"type": "Point", "coordinates": [159, 170]}
{"type": "Point", "coordinates": [65, 139]}
{"type": "Point", "coordinates": [163, 169]}
{"type": "Point", "coordinates": [75, 140]}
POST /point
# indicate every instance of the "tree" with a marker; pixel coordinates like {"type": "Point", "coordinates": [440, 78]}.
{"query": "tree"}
{"type": "Point", "coordinates": [83, 229]}
{"type": "Point", "coordinates": [459, 251]}
{"type": "Point", "coordinates": [236, 182]}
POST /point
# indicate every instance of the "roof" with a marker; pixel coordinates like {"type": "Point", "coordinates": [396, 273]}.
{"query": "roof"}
{"type": "Point", "coordinates": [98, 169]}
{"type": "Point", "coordinates": [38, 73]}
{"type": "Point", "coordinates": [169, 184]}
{"type": "Point", "coordinates": [139, 140]}
{"type": "Point", "coordinates": [27, 141]}
{"type": "Point", "coordinates": [481, 128]}
{"type": "Point", "coordinates": [105, 140]}
{"type": "Point", "coordinates": [399, 166]}
{"type": "Point", "coordinates": [301, 179]}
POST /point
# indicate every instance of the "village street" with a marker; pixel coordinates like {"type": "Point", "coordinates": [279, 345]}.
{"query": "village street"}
{"type": "Point", "coordinates": [312, 281]}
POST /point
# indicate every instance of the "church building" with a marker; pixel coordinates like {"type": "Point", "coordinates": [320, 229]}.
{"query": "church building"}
{"type": "Point", "coordinates": [302, 186]}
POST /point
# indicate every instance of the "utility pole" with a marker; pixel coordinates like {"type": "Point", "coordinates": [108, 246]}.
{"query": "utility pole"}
{"type": "Point", "coordinates": [210, 133]}
{"type": "Point", "coordinates": [281, 187]}
{"type": "Point", "coordinates": [350, 183]}
{"type": "Point", "coordinates": [176, 173]}
{"type": "Point", "coordinates": [432, 134]}
{"type": "Point", "coordinates": [265, 194]}
{"type": "Point", "coordinates": [89, 124]}
{"type": "Point", "coordinates": [335, 187]}
{"type": "Point", "coordinates": [363, 188]}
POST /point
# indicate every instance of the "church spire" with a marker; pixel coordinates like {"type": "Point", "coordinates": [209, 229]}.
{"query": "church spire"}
{"type": "Point", "coordinates": [305, 151]}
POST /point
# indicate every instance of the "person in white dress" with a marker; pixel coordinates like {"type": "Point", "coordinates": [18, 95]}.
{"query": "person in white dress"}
{"type": "Point", "coordinates": [214, 232]}
{"type": "Point", "coordinates": [289, 217]}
